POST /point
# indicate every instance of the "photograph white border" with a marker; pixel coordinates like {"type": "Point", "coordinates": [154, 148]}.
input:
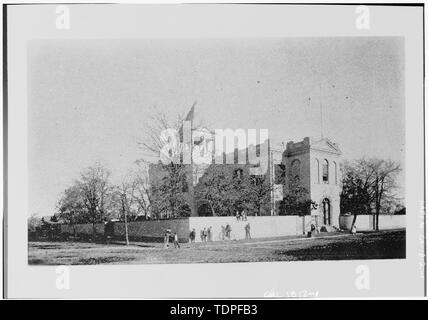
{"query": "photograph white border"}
{"type": "Point", "coordinates": [232, 280]}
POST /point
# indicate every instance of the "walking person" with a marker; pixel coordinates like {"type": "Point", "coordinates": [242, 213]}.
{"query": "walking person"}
{"type": "Point", "coordinates": [193, 234]}
{"type": "Point", "coordinates": [223, 232]}
{"type": "Point", "coordinates": [166, 238]}
{"type": "Point", "coordinates": [205, 234]}
{"type": "Point", "coordinates": [244, 215]}
{"type": "Point", "coordinates": [176, 243]}
{"type": "Point", "coordinates": [228, 230]}
{"type": "Point", "coordinates": [247, 231]}
{"type": "Point", "coordinates": [210, 235]}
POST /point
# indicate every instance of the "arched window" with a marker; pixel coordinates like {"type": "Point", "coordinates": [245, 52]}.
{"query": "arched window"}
{"type": "Point", "coordinates": [295, 169]}
{"type": "Point", "coordinates": [325, 171]}
{"type": "Point", "coordinates": [317, 170]}
{"type": "Point", "coordinates": [335, 172]}
{"type": "Point", "coordinates": [326, 209]}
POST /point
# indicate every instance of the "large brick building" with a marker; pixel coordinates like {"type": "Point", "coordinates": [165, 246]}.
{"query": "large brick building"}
{"type": "Point", "coordinates": [315, 164]}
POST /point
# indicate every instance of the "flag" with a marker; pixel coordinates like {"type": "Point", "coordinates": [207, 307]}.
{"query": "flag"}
{"type": "Point", "coordinates": [190, 114]}
{"type": "Point", "coordinates": [189, 117]}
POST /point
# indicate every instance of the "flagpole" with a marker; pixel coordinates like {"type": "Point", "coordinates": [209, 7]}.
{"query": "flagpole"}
{"type": "Point", "coordinates": [271, 180]}
{"type": "Point", "coordinates": [321, 120]}
{"type": "Point", "coordinates": [191, 178]}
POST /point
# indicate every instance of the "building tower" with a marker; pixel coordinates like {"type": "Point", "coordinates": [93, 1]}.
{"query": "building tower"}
{"type": "Point", "coordinates": [316, 165]}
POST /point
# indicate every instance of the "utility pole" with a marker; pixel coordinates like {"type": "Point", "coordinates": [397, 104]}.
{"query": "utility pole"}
{"type": "Point", "coordinates": [126, 220]}
{"type": "Point", "coordinates": [321, 120]}
{"type": "Point", "coordinates": [271, 180]}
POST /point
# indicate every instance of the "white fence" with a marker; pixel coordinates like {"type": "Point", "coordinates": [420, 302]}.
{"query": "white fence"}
{"type": "Point", "coordinates": [260, 227]}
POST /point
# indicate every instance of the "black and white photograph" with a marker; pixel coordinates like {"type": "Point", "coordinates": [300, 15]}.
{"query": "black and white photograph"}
{"type": "Point", "coordinates": [208, 139]}
{"type": "Point", "coordinates": [192, 151]}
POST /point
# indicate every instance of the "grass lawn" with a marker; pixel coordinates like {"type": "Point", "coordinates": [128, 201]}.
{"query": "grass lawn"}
{"type": "Point", "coordinates": [343, 246]}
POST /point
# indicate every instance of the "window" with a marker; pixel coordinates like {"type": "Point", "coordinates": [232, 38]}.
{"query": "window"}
{"type": "Point", "coordinates": [335, 172]}
{"type": "Point", "coordinates": [317, 170]}
{"type": "Point", "coordinates": [325, 171]}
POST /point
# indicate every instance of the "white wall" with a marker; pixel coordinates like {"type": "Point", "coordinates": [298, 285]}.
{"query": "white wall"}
{"type": "Point", "coordinates": [365, 222]}
{"type": "Point", "coordinates": [260, 227]}
{"type": "Point", "coordinates": [392, 221]}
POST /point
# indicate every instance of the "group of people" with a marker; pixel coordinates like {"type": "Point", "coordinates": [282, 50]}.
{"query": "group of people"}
{"type": "Point", "coordinates": [225, 232]}
{"type": "Point", "coordinates": [168, 234]}
{"type": "Point", "coordinates": [241, 216]}
{"type": "Point", "coordinates": [206, 235]}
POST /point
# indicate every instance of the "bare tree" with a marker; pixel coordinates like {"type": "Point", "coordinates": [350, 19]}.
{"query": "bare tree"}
{"type": "Point", "coordinates": [124, 194]}
{"type": "Point", "coordinates": [96, 191]}
{"type": "Point", "coordinates": [384, 184]}
{"type": "Point", "coordinates": [369, 187]}
{"type": "Point", "coordinates": [168, 193]}
{"type": "Point", "coordinates": [142, 195]}
{"type": "Point", "coordinates": [152, 143]}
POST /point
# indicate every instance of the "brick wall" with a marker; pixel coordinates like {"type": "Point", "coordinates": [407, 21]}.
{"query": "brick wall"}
{"type": "Point", "coordinates": [82, 229]}
{"type": "Point", "coordinates": [153, 230]}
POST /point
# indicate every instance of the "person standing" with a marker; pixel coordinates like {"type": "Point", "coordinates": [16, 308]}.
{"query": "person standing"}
{"type": "Point", "coordinates": [193, 235]}
{"type": "Point", "coordinates": [205, 234]}
{"type": "Point", "coordinates": [228, 230]}
{"type": "Point", "coordinates": [247, 231]}
{"type": "Point", "coordinates": [210, 235]}
{"type": "Point", "coordinates": [176, 243]}
{"type": "Point", "coordinates": [166, 238]}
{"type": "Point", "coordinates": [223, 232]}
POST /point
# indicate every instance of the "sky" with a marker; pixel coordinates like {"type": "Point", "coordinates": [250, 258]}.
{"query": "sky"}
{"type": "Point", "coordinates": [88, 100]}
